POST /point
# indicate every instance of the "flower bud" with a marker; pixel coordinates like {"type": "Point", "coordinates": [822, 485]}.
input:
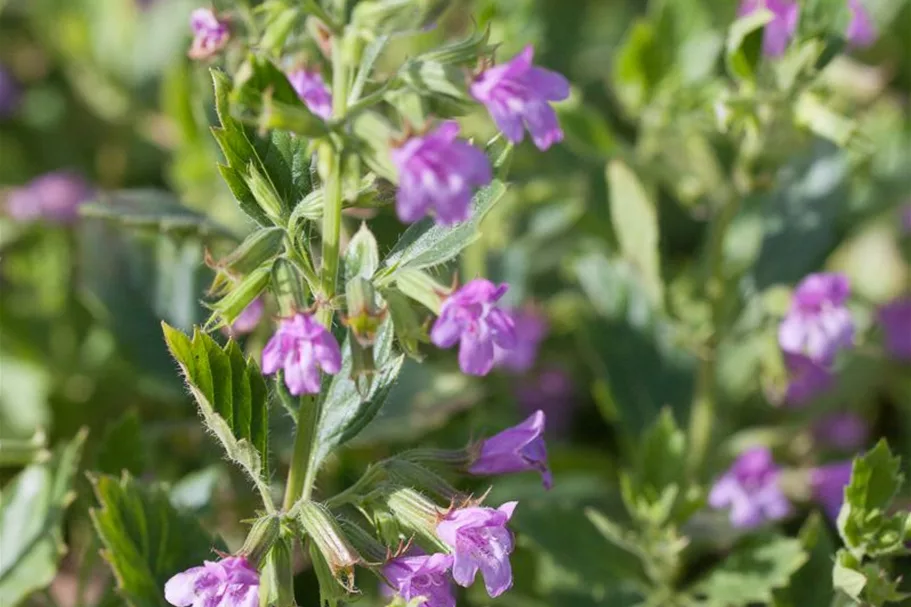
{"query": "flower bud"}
{"type": "Point", "coordinates": [382, 17]}
{"type": "Point", "coordinates": [421, 287]}
{"type": "Point", "coordinates": [277, 579]}
{"type": "Point", "coordinates": [432, 78]}
{"type": "Point", "coordinates": [364, 316]}
{"type": "Point", "coordinates": [228, 308]}
{"type": "Point", "coordinates": [261, 539]}
{"type": "Point", "coordinates": [465, 51]}
{"type": "Point", "coordinates": [415, 512]}
{"type": "Point", "coordinates": [408, 328]}
{"type": "Point", "coordinates": [264, 193]}
{"type": "Point", "coordinates": [327, 536]}
{"type": "Point", "coordinates": [364, 542]}
{"type": "Point", "coordinates": [411, 474]}
{"type": "Point", "coordinates": [256, 249]}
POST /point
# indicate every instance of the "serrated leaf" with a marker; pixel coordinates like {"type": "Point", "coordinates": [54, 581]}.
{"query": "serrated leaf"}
{"type": "Point", "coordinates": [743, 48]}
{"type": "Point", "coordinates": [232, 397]}
{"type": "Point", "coordinates": [146, 540]}
{"type": "Point", "coordinates": [122, 446]}
{"type": "Point", "coordinates": [32, 506]}
{"type": "Point", "coordinates": [749, 575]}
{"type": "Point", "coordinates": [153, 210]}
{"type": "Point", "coordinates": [635, 221]}
{"type": "Point", "coordinates": [846, 575]}
{"type": "Point", "coordinates": [426, 244]}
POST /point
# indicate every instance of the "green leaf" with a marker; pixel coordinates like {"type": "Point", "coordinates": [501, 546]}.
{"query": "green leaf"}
{"type": "Point", "coordinates": [232, 398]}
{"type": "Point", "coordinates": [426, 244]}
{"type": "Point", "coordinates": [743, 49]}
{"type": "Point", "coordinates": [368, 60]}
{"type": "Point", "coordinates": [146, 541]}
{"type": "Point", "coordinates": [587, 131]}
{"type": "Point", "coordinates": [640, 64]}
{"type": "Point", "coordinates": [811, 585]}
{"type": "Point", "coordinates": [846, 575]}
{"type": "Point", "coordinates": [759, 565]}
{"type": "Point", "coordinates": [635, 221]}
{"type": "Point", "coordinates": [122, 446]}
{"type": "Point", "coordinates": [156, 211]}
{"type": "Point", "coordinates": [32, 506]}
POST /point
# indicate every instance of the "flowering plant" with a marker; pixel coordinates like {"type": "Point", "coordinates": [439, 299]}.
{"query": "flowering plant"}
{"type": "Point", "coordinates": [375, 336]}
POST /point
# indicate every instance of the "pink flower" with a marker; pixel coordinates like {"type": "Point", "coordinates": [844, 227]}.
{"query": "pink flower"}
{"type": "Point", "coordinates": [808, 379]}
{"type": "Point", "coordinates": [780, 30]}
{"type": "Point", "coordinates": [550, 390]}
{"type": "Point", "coordinates": [860, 30]}
{"type": "Point", "coordinates": [309, 86]}
{"type": "Point", "coordinates": [230, 582]}
{"type": "Point", "coordinates": [828, 486]}
{"type": "Point", "coordinates": [531, 328]}
{"type": "Point", "coordinates": [210, 34]}
{"type": "Point", "coordinates": [54, 197]}
{"type": "Point", "coordinates": [301, 347]}
{"type": "Point", "coordinates": [422, 577]}
{"type": "Point", "coordinates": [439, 173]}
{"type": "Point", "coordinates": [517, 93]}
{"type": "Point", "coordinates": [517, 449]}
{"type": "Point", "coordinates": [470, 316]}
{"type": "Point", "coordinates": [895, 318]}
{"type": "Point", "coordinates": [750, 489]}
{"type": "Point", "coordinates": [846, 431]}
{"type": "Point", "coordinates": [818, 324]}
{"type": "Point", "coordinates": [480, 542]}
{"type": "Point", "coordinates": [248, 320]}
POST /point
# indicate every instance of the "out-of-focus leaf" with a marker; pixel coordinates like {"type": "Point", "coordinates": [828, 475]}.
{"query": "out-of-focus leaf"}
{"type": "Point", "coordinates": [587, 131]}
{"type": "Point", "coordinates": [426, 244]}
{"type": "Point", "coordinates": [196, 490]}
{"type": "Point", "coordinates": [32, 506]}
{"type": "Point", "coordinates": [811, 585]}
{"type": "Point", "coordinates": [743, 49]}
{"type": "Point", "coordinates": [146, 541]}
{"type": "Point", "coordinates": [635, 221]}
{"type": "Point", "coordinates": [750, 574]}
{"type": "Point", "coordinates": [232, 396]}
{"type": "Point", "coordinates": [639, 66]}
{"type": "Point", "coordinates": [122, 446]}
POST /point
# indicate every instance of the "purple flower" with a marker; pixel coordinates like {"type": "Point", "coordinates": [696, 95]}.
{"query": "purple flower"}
{"type": "Point", "coordinates": [818, 324]}
{"type": "Point", "coordinates": [906, 220]}
{"type": "Point", "coordinates": [517, 449]}
{"type": "Point", "coordinates": [860, 30]}
{"type": "Point", "coordinates": [531, 328]}
{"type": "Point", "coordinates": [470, 315]}
{"type": "Point", "coordinates": [828, 486]}
{"type": "Point", "coordinates": [550, 390]}
{"type": "Point", "coordinates": [480, 540]}
{"type": "Point", "coordinates": [53, 197]}
{"type": "Point", "coordinates": [518, 93]}
{"type": "Point", "coordinates": [750, 489]}
{"type": "Point", "coordinates": [895, 318]}
{"type": "Point", "coordinates": [230, 582]}
{"type": "Point", "coordinates": [210, 34]}
{"type": "Point", "coordinates": [846, 431]}
{"type": "Point", "coordinates": [248, 320]}
{"type": "Point", "coordinates": [301, 346]}
{"type": "Point", "coordinates": [808, 379]}
{"type": "Point", "coordinates": [312, 90]}
{"type": "Point", "coordinates": [780, 30]}
{"type": "Point", "coordinates": [10, 93]}
{"type": "Point", "coordinates": [439, 172]}
{"type": "Point", "coordinates": [422, 576]}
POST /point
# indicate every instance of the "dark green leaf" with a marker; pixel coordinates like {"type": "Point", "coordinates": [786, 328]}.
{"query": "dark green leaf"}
{"type": "Point", "coordinates": [32, 506]}
{"type": "Point", "coordinates": [146, 541]}
{"type": "Point", "coordinates": [811, 585]}
{"type": "Point", "coordinates": [587, 131]}
{"type": "Point", "coordinates": [122, 446]}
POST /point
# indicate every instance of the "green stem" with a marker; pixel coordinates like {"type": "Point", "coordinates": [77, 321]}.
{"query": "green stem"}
{"type": "Point", "coordinates": [302, 453]}
{"type": "Point", "coordinates": [703, 411]}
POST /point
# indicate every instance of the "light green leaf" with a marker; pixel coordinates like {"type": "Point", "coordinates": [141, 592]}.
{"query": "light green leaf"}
{"type": "Point", "coordinates": [639, 66]}
{"type": "Point", "coordinates": [368, 60]}
{"type": "Point", "coordinates": [146, 541]}
{"type": "Point", "coordinates": [232, 398]}
{"type": "Point", "coordinates": [759, 565]}
{"type": "Point", "coordinates": [846, 575]}
{"type": "Point", "coordinates": [635, 221]}
{"type": "Point", "coordinates": [743, 49]}
{"type": "Point", "coordinates": [32, 506]}
{"type": "Point", "coordinates": [426, 244]}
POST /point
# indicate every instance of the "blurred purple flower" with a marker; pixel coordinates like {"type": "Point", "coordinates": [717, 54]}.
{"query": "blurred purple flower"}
{"type": "Point", "coordinates": [531, 328]}
{"type": "Point", "coordinates": [551, 391]}
{"type": "Point", "coordinates": [750, 489]}
{"type": "Point", "coordinates": [780, 30]}
{"type": "Point", "coordinates": [310, 87]}
{"type": "Point", "coordinates": [470, 315]}
{"type": "Point", "coordinates": [301, 346]}
{"type": "Point", "coordinates": [846, 431]}
{"type": "Point", "coordinates": [248, 320]}
{"type": "Point", "coordinates": [860, 30]}
{"type": "Point", "coordinates": [10, 93]}
{"type": "Point", "coordinates": [480, 541]}
{"type": "Point", "coordinates": [230, 582]}
{"type": "Point", "coordinates": [54, 197]}
{"type": "Point", "coordinates": [210, 34]}
{"type": "Point", "coordinates": [828, 486]}
{"type": "Point", "coordinates": [424, 576]}
{"type": "Point", "coordinates": [808, 379]}
{"type": "Point", "coordinates": [517, 449]}
{"type": "Point", "coordinates": [895, 318]}
{"type": "Point", "coordinates": [906, 220]}
{"type": "Point", "coordinates": [517, 92]}
{"type": "Point", "coordinates": [439, 172]}
{"type": "Point", "coordinates": [818, 324]}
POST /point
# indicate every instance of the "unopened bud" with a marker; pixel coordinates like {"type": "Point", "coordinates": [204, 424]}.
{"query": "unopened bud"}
{"type": "Point", "coordinates": [228, 308]}
{"type": "Point", "coordinates": [413, 475]}
{"type": "Point", "coordinates": [261, 539]}
{"type": "Point", "coordinates": [327, 536]}
{"type": "Point", "coordinates": [421, 287]}
{"type": "Point", "coordinates": [431, 78]}
{"type": "Point", "coordinates": [415, 512]}
{"type": "Point", "coordinates": [382, 17]}
{"type": "Point", "coordinates": [362, 256]}
{"type": "Point", "coordinates": [277, 578]}
{"type": "Point", "coordinates": [466, 51]}
{"type": "Point", "coordinates": [364, 316]}
{"type": "Point", "coordinates": [264, 193]}
{"type": "Point", "coordinates": [364, 542]}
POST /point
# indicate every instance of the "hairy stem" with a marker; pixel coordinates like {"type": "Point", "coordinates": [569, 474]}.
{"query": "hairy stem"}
{"type": "Point", "coordinates": [307, 418]}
